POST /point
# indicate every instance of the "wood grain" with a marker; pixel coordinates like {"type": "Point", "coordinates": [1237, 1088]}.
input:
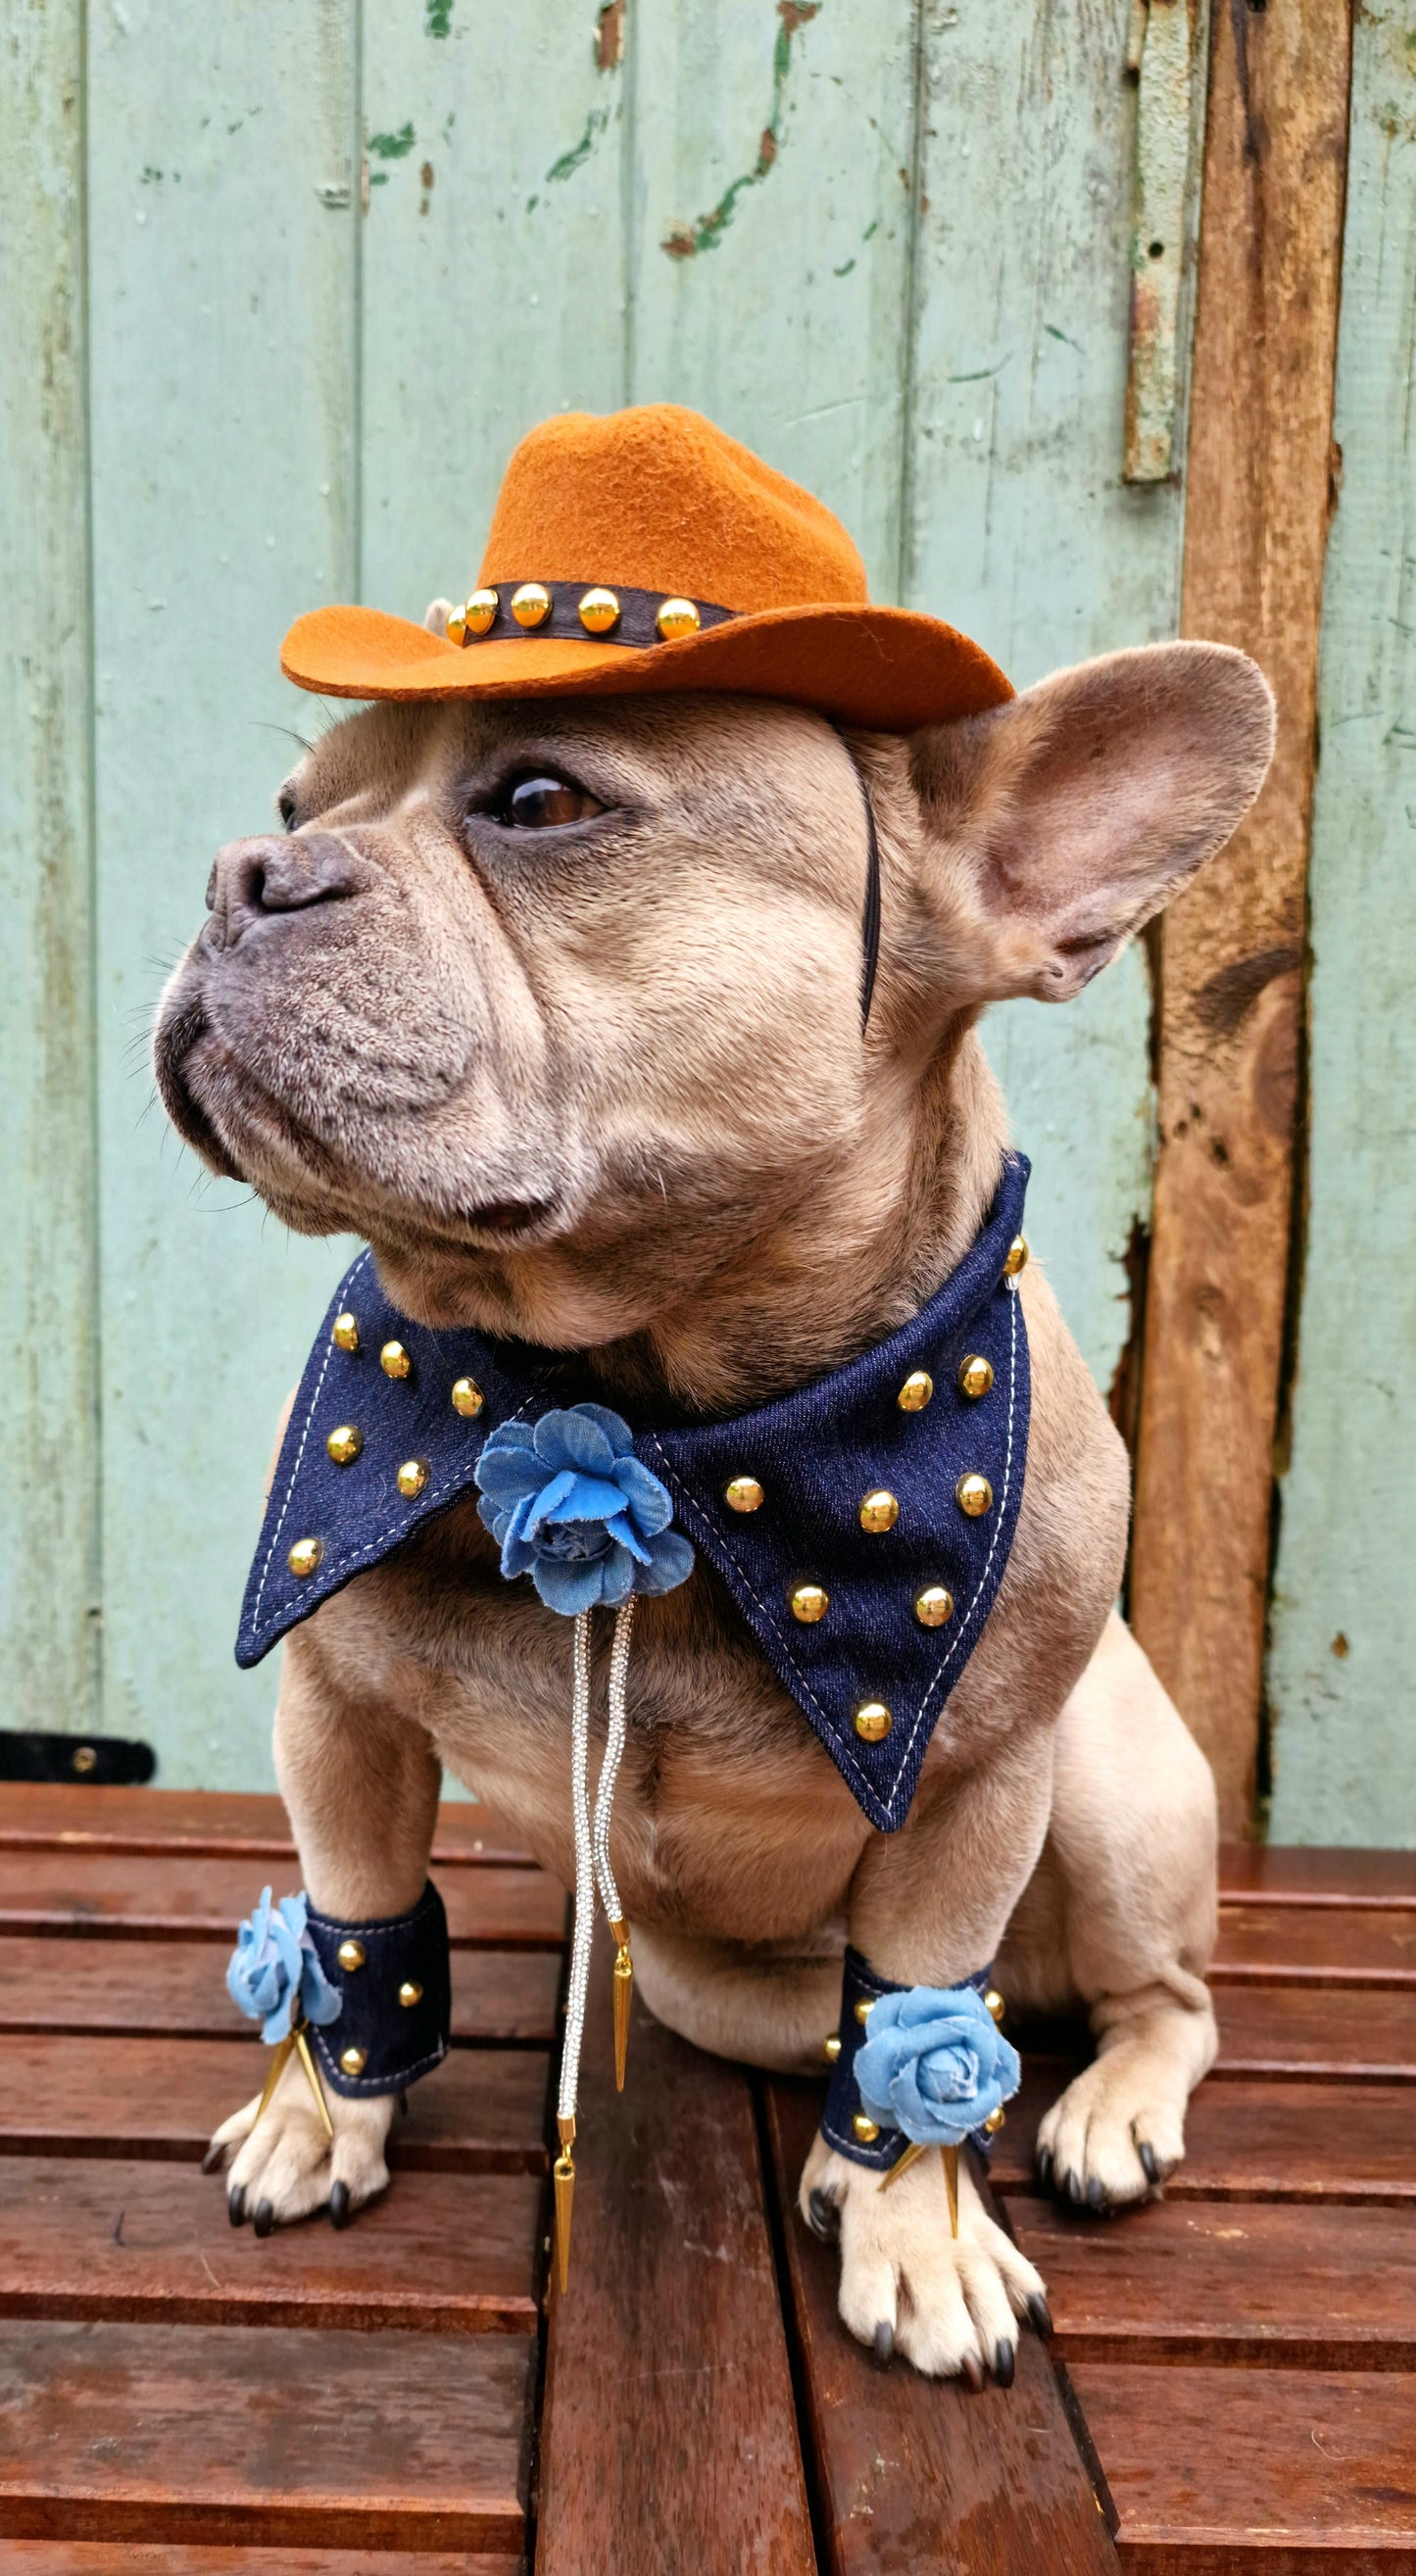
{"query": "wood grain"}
{"type": "Point", "coordinates": [1282, 2030]}
{"type": "Point", "coordinates": [136, 2241]}
{"type": "Point", "coordinates": [482, 2111]}
{"type": "Point", "coordinates": [669, 2436]}
{"type": "Point", "coordinates": [1230, 951]}
{"type": "Point", "coordinates": [197, 2433]}
{"type": "Point", "coordinates": [917, 2473]}
{"type": "Point", "coordinates": [201, 1820]}
{"type": "Point", "coordinates": [175, 2558]}
{"type": "Point", "coordinates": [1287, 1874]}
{"type": "Point", "coordinates": [1330, 2288]}
{"type": "Point", "coordinates": [1260, 2140]}
{"type": "Point", "coordinates": [149, 1895]}
{"type": "Point", "coordinates": [1350, 1945]}
{"type": "Point", "coordinates": [178, 1989]}
{"type": "Point", "coordinates": [1286, 2471]}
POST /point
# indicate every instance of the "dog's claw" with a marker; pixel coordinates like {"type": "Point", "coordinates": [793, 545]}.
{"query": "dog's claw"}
{"type": "Point", "coordinates": [972, 2369]}
{"type": "Point", "coordinates": [236, 2205]}
{"type": "Point", "coordinates": [884, 2342]}
{"type": "Point", "coordinates": [825, 2219]}
{"type": "Point", "coordinates": [1041, 2315]}
{"type": "Point", "coordinates": [1146, 2153]}
{"type": "Point", "coordinates": [264, 2219]}
{"type": "Point", "coordinates": [1071, 2184]}
{"type": "Point", "coordinates": [1044, 2167]}
{"type": "Point", "coordinates": [1096, 2193]}
{"type": "Point", "coordinates": [339, 2212]}
{"type": "Point", "coordinates": [212, 2159]}
{"type": "Point", "coordinates": [1003, 2361]}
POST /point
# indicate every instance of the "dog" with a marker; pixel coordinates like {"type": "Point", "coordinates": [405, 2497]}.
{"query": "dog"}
{"type": "Point", "coordinates": [551, 990]}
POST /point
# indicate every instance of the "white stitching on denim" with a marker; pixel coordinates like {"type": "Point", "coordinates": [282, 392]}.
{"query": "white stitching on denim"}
{"type": "Point", "coordinates": [394, 2083]}
{"type": "Point", "coordinates": [346, 1282]}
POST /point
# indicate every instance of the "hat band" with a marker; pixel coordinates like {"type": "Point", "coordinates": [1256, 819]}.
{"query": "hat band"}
{"type": "Point", "coordinates": [580, 612]}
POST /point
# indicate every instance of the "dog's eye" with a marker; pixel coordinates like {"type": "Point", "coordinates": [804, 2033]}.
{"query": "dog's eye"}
{"type": "Point", "coordinates": [540, 802]}
{"type": "Point", "coordinates": [285, 806]}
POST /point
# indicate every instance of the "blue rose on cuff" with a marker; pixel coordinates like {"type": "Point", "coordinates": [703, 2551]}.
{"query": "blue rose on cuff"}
{"type": "Point", "coordinates": [934, 2064]}
{"type": "Point", "coordinates": [274, 1966]}
{"type": "Point", "coordinates": [569, 1504]}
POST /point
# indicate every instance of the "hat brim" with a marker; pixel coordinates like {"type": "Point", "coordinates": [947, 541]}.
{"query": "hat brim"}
{"type": "Point", "coordinates": [882, 668]}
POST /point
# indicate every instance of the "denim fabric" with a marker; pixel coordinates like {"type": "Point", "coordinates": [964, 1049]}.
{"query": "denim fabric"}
{"type": "Point", "coordinates": [816, 1454]}
{"type": "Point", "coordinates": [859, 1984]}
{"type": "Point", "coordinates": [400, 2041]}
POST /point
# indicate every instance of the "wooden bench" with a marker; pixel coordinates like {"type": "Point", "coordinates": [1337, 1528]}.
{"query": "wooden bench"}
{"type": "Point", "coordinates": [1232, 2384]}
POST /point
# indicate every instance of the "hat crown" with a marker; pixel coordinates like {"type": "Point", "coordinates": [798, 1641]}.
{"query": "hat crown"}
{"type": "Point", "coordinates": [657, 498]}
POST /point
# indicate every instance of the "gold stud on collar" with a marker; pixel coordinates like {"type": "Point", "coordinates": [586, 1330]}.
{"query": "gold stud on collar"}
{"type": "Point", "coordinates": [354, 2060]}
{"type": "Point", "coordinates": [410, 1993]}
{"type": "Point", "coordinates": [345, 1333]}
{"type": "Point", "coordinates": [975, 1375]}
{"type": "Point", "coordinates": [394, 1360]}
{"type": "Point", "coordinates": [974, 1495]}
{"type": "Point", "coordinates": [345, 1443]}
{"type": "Point", "coordinates": [873, 1721]}
{"type": "Point", "coordinates": [879, 1510]}
{"type": "Point", "coordinates": [350, 1954]}
{"type": "Point", "coordinates": [914, 1395]}
{"type": "Point", "coordinates": [531, 604]}
{"type": "Point", "coordinates": [810, 1602]}
{"type": "Point", "coordinates": [305, 1556]}
{"type": "Point", "coordinates": [677, 617]}
{"type": "Point", "coordinates": [865, 2130]}
{"type": "Point", "coordinates": [599, 611]}
{"type": "Point", "coordinates": [743, 1494]}
{"type": "Point", "coordinates": [1017, 1256]}
{"type": "Point", "coordinates": [412, 1477]}
{"type": "Point", "coordinates": [934, 1605]}
{"type": "Point", "coordinates": [467, 1397]}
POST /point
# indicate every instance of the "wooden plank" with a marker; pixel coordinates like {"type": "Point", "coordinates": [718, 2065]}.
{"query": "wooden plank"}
{"type": "Point", "coordinates": [1287, 2030]}
{"type": "Point", "coordinates": [1020, 529]}
{"type": "Point", "coordinates": [1288, 2472]}
{"type": "Point", "coordinates": [917, 2473]}
{"type": "Point", "coordinates": [1231, 950]}
{"type": "Point", "coordinates": [1316, 2289]}
{"type": "Point", "coordinates": [198, 2433]}
{"type": "Point", "coordinates": [668, 2433]}
{"type": "Point", "coordinates": [157, 2558]}
{"type": "Point", "coordinates": [223, 246]}
{"type": "Point", "coordinates": [1281, 1874]}
{"type": "Point", "coordinates": [1349, 1945]}
{"type": "Point", "coordinates": [202, 1820]}
{"type": "Point", "coordinates": [133, 2241]}
{"type": "Point", "coordinates": [482, 2111]}
{"type": "Point", "coordinates": [1343, 1620]}
{"type": "Point", "coordinates": [152, 1895]}
{"type": "Point", "coordinates": [1262, 2140]}
{"type": "Point", "coordinates": [49, 1474]}
{"type": "Point", "coordinates": [178, 1989]}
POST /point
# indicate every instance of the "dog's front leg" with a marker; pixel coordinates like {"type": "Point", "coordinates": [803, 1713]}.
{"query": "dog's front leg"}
{"type": "Point", "coordinates": [361, 1787]}
{"type": "Point", "coordinates": [928, 1907]}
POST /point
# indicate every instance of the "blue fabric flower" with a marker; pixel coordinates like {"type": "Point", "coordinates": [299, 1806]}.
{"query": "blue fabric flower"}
{"type": "Point", "coordinates": [934, 2064]}
{"type": "Point", "coordinates": [569, 1504]}
{"type": "Point", "coordinates": [274, 1965]}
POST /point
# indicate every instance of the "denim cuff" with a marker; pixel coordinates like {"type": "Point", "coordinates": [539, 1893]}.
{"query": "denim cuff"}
{"type": "Point", "coordinates": [395, 1998]}
{"type": "Point", "coordinates": [863, 1985]}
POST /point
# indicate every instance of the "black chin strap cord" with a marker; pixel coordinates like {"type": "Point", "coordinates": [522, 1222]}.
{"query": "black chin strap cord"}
{"type": "Point", "coordinates": [870, 918]}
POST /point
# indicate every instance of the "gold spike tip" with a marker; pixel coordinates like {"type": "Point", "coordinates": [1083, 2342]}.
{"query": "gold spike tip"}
{"type": "Point", "coordinates": [563, 2175]}
{"type": "Point", "coordinates": [624, 1989]}
{"type": "Point", "coordinates": [902, 2164]}
{"type": "Point", "coordinates": [950, 2157]}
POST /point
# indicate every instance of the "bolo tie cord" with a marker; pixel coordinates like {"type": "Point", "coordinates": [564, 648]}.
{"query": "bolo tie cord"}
{"type": "Point", "coordinates": [592, 1870]}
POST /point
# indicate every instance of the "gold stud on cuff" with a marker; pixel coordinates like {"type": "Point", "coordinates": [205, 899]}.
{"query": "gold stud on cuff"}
{"type": "Point", "coordinates": [974, 1495]}
{"type": "Point", "coordinates": [865, 2130]}
{"type": "Point", "coordinates": [873, 1721]}
{"type": "Point", "coordinates": [531, 604]}
{"type": "Point", "coordinates": [350, 1954]}
{"type": "Point", "coordinates": [305, 1556]}
{"type": "Point", "coordinates": [410, 1993]}
{"type": "Point", "coordinates": [831, 2047]}
{"type": "Point", "coordinates": [879, 1510]}
{"type": "Point", "coordinates": [993, 2002]}
{"type": "Point", "coordinates": [677, 617]}
{"type": "Point", "coordinates": [914, 1395]}
{"type": "Point", "coordinates": [467, 1397]}
{"type": "Point", "coordinates": [412, 1477]}
{"type": "Point", "coordinates": [994, 2122]}
{"type": "Point", "coordinates": [599, 611]}
{"type": "Point", "coordinates": [864, 2007]}
{"type": "Point", "coordinates": [810, 1602]}
{"type": "Point", "coordinates": [743, 1494]}
{"type": "Point", "coordinates": [1017, 1256]}
{"type": "Point", "coordinates": [934, 1605]}
{"type": "Point", "coordinates": [975, 1375]}
{"type": "Point", "coordinates": [345, 1335]}
{"type": "Point", "coordinates": [345, 1443]}
{"type": "Point", "coordinates": [394, 1360]}
{"type": "Point", "coordinates": [354, 2060]}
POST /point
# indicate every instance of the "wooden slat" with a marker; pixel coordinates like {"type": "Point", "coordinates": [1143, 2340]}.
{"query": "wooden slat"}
{"type": "Point", "coordinates": [152, 1894]}
{"type": "Point", "coordinates": [1323, 1945]}
{"type": "Point", "coordinates": [177, 2558]}
{"type": "Point", "coordinates": [1231, 949]}
{"type": "Point", "coordinates": [1288, 2472]}
{"type": "Point", "coordinates": [668, 2437]}
{"type": "Point", "coordinates": [1321, 2289]}
{"type": "Point", "coordinates": [178, 1989]}
{"type": "Point", "coordinates": [911, 2473]}
{"type": "Point", "coordinates": [1367, 2037]}
{"type": "Point", "coordinates": [209, 2433]}
{"type": "Point", "coordinates": [1284, 1874]}
{"type": "Point", "coordinates": [483, 2111]}
{"type": "Point", "coordinates": [1256, 2141]}
{"type": "Point", "coordinates": [136, 2241]}
{"type": "Point", "coordinates": [199, 1820]}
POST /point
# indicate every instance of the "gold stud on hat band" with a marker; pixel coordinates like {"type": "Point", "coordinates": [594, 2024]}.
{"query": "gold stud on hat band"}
{"type": "Point", "coordinates": [569, 611]}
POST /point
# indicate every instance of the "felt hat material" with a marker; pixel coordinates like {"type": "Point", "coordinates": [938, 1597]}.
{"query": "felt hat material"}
{"type": "Point", "coordinates": [656, 504]}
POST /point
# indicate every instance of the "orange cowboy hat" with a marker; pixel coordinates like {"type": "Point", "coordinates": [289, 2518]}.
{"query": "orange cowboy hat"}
{"type": "Point", "coordinates": [644, 551]}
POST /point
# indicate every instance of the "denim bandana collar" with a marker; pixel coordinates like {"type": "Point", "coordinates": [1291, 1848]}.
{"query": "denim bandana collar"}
{"type": "Point", "coordinates": [868, 1675]}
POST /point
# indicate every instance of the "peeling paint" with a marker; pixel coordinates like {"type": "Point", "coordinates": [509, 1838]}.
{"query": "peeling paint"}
{"type": "Point", "coordinates": [393, 147]}
{"type": "Point", "coordinates": [687, 240]}
{"type": "Point", "coordinates": [609, 36]}
{"type": "Point", "coordinates": [437, 18]}
{"type": "Point", "coordinates": [579, 153]}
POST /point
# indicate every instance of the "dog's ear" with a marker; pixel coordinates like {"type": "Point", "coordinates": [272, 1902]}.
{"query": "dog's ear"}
{"type": "Point", "coordinates": [436, 616]}
{"type": "Point", "coordinates": [1059, 823]}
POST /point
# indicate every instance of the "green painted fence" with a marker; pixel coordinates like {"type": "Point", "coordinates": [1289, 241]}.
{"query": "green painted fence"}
{"type": "Point", "coordinates": [289, 283]}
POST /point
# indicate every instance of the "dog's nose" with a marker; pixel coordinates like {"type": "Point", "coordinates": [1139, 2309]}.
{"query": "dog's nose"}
{"type": "Point", "coordinates": [253, 879]}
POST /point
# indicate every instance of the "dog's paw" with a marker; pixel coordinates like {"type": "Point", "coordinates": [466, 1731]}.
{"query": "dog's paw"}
{"type": "Point", "coordinates": [949, 2304]}
{"type": "Point", "coordinates": [1114, 2135]}
{"type": "Point", "coordinates": [285, 2164]}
